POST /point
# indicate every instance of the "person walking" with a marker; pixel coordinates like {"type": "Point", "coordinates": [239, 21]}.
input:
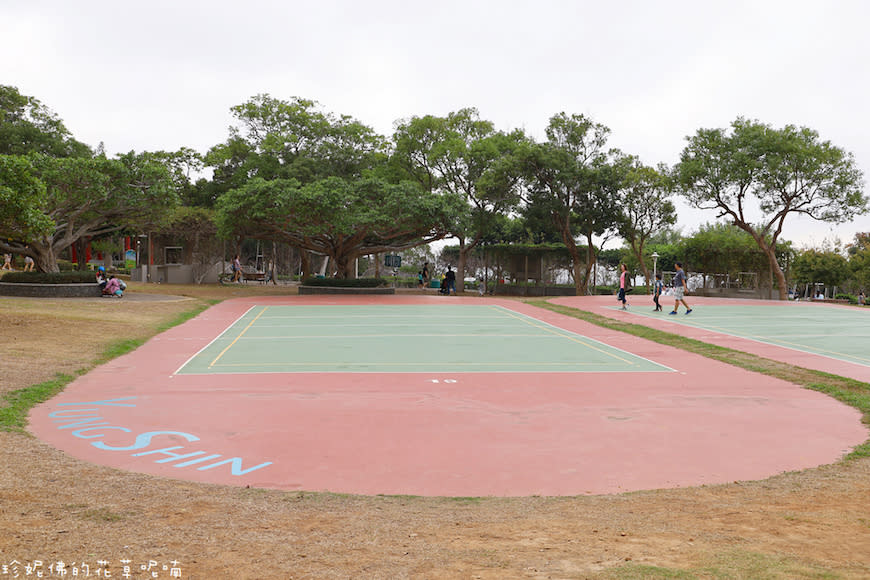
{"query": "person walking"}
{"type": "Point", "coordinates": [237, 269]}
{"type": "Point", "coordinates": [680, 288]}
{"type": "Point", "coordinates": [657, 292]}
{"type": "Point", "coordinates": [623, 279]}
{"type": "Point", "coordinates": [425, 273]}
{"type": "Point", "coordinates": [450, 278]}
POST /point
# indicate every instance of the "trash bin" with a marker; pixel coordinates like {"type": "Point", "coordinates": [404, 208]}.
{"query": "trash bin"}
{"type": "Point", "coordinates": [434, 283]}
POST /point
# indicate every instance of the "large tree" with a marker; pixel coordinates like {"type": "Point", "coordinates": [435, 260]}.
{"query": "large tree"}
{"type": "Point", "coordinates": [78, 197]}
{"type": "Point", "coordinates": [827, 267]}
{"type": "Point", "coordinates": [573, 178]}
{"type": "Point", "coordinates": [343, 219]}
{"type": "Point", "coordinates": [28, 126]}
{"type": "Point", "coordinates": [646, 208]}
{"type": "Point", "coordinates": [757, 176]}
{"type": "Point", "coordinates": [463, 155]}
{"type": "Point", "coordinates": [22, 194]}
{"type": "Point", "coordinates": [294, 139]}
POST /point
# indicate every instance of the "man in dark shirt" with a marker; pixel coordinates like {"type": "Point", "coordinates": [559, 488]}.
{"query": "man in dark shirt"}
{"type": "Point", "coordinates": [450, 278]}
{"type": "Point", "coordinates": [680, 288]}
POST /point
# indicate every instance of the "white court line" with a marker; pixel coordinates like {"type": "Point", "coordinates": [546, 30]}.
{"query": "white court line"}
{"type": "Point", "coordinates": [519, 314]}
{"type": "Point", "coordinates": [505, 314]}
{"type": "Point", "coordinates": [215, 339]}
{"type": "Point", "coordinates": [425, 335]}
{"type": "Point", "coordinates": [772, 341]}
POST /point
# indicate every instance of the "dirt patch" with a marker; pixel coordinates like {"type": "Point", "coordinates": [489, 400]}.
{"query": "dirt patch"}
{"type": "Point", "coordinates": [52, 507]}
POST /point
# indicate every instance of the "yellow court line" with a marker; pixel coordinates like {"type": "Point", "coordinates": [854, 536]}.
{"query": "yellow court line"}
{"type": "Point", "coordinates": [553, 330]}
{"type": "Point", "coordinates": [230, 345]}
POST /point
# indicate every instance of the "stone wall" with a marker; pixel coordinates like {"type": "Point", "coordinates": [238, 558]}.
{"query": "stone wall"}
{"type": "Point", "coordinates": [341, 290]}
{"type": "Point", "coordinates": [50, 290]}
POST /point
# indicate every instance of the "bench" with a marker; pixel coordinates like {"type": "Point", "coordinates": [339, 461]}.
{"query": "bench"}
{"type": "Point", "coordinates": [253, 275]}
{"type": "Point", "coordinates": [248, 274]}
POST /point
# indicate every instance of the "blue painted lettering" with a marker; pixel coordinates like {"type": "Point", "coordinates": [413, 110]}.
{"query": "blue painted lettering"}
{"type": "Point", "coordinates": [143, 440]}
{"type": "Point", "coordinates": [84, 423]}
{"type": "Point", "coordinates": [78, 432]}
{"type": "Point", "coordinates": [73, 413]}
{"type": "Point", "coordinates": [168, 451]}
{"type": "Point", "coordinates": [200, 460]}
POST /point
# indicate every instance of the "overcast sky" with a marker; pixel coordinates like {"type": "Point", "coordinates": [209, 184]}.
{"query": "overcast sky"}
{"type": "Point", "coordinates": [161, 74]}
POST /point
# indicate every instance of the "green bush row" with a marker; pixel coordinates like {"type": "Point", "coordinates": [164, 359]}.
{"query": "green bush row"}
{"type": "Point", "coordinates": [346, 282]}
{"type": "Point", "coordinates": [72, 277]}
{"type": "Point", "coordinates": [842, 296]}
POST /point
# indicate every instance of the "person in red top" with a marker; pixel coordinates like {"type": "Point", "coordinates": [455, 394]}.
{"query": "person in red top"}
{"type": "Point", "coordinates": [623, 279]}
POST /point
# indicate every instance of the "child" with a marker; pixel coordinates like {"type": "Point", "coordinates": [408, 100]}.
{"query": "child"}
{"type": "Point", "coordinates": [101, 277]}
{"type": "Point", "coordinates": [657, 291]}
{"type": "Point", "coordinates": [113, 288]}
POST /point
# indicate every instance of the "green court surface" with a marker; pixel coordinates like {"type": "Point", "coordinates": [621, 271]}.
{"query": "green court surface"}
{"type": "Point", "coordinates": [840, 333]}
{"type": "Point", "coordinates": [404, 338]}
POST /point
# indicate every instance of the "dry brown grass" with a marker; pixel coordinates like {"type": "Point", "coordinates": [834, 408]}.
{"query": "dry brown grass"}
{"type": "Point", "coordinates": [798, 525]}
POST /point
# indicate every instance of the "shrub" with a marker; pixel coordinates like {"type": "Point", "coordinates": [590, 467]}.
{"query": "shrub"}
{"type": "Point", "coordinates": [849, 297]}
{"type": "Point", "coordinates": [346, 282]}
{"type": "Point", "coordinates": [73, 277]}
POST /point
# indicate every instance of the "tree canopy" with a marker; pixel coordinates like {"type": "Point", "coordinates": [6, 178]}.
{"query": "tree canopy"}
{"type": "Point", "coordinates": [572, 178]}
{"type": "Point", "coordinates": [756, 176]}
{"type": "Point", "coordinates": [28, 126]}
{"type": "Point", "coordinates": [326, 183]}
{"type": "Point", "coordinates": [462, 155]}
{"type": "Point", "coordinates": [343, 219]}
{"type": "Point", "coordinates": [646, 208]}
{"type": "Point", "coordinates": [66, 199]}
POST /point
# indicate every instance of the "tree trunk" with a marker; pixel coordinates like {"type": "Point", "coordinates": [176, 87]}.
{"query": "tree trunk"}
{"type": "Point", "coordinates": [591, 260]}
{"type": "Point", "coordinates": [460, 267]}
{"type": "Point", "coordinates": [344, 266]}
{"type": "Point", "coordinates": [44, 258]}
{"type": "Point", "coordinates": [579, 281]}
{"type": "Point", "coordinates": [81, 246]}
{"type": "Point", "coordinates": [777, 272]}
{"type": "Point", "coordinates": [305, 263]}
{"type": "Point", "coordinates": [272, 267]}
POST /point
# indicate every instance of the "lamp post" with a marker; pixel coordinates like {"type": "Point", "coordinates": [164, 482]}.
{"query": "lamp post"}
{"type": "Point", "coordinates": [655, 257]}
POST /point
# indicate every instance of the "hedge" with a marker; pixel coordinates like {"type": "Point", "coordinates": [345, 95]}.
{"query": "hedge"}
{"type": "Point", "coordinates": [73, 277]}
{"type": "Point", "coordinates": [346, 282]}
